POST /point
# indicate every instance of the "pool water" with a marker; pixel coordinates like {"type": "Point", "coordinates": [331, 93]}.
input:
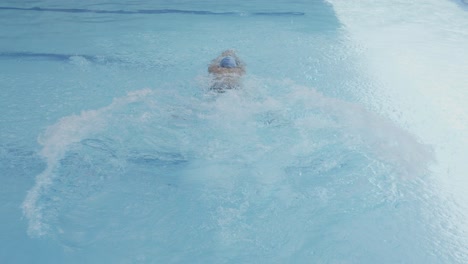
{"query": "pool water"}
{"type": "Point", "coordinates": [346, 144]}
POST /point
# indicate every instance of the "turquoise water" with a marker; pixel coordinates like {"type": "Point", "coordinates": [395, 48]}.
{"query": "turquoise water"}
{"type": "Point", "coordinates": [346, 143]}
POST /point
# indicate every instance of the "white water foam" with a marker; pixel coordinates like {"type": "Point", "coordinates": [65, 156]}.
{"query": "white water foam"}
{"type": "Point", "coordinates": [55, 141]}
{"type": "Point", "coordinates": [250, 128]}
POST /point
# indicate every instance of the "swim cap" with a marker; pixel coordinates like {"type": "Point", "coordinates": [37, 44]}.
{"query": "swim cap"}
{"type": "Point", "coordinates": [228, 62]}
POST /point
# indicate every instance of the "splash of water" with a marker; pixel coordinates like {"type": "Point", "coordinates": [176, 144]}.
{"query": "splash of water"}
{"type": "Point", "coordinates": [230, 168]}
{"type": "Point", "coordinates": [56, 141]}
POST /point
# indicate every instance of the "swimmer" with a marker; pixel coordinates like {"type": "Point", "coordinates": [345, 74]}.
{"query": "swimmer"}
{"type": "Point", "coordinates": [227, 71]}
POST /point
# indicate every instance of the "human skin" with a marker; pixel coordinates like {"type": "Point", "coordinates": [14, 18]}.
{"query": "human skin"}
{"type": "Point", "coordinates": [221, 72]}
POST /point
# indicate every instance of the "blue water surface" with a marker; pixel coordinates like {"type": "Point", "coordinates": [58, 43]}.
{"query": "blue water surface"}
{"type": "Point", "coordinates": [114, 150]}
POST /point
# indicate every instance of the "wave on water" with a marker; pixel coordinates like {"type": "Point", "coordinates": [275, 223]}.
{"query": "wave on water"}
{"type": "Point", "coordinates": [163, 166]}
{"type": "Point", "coordinates": [56, 141]}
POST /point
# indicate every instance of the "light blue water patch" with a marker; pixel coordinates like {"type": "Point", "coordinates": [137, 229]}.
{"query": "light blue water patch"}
{"type": "Point", "coordinates": [113, 149]}
{"type": "Point", "coordinates": [415, 55]}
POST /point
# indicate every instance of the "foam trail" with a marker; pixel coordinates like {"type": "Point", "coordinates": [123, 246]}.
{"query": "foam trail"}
{"type": "Point", "coordinates": [56, 140]}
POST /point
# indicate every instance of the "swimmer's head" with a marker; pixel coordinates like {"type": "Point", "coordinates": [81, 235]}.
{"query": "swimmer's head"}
{"type": "Point", "coordinates": [228, 62]}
